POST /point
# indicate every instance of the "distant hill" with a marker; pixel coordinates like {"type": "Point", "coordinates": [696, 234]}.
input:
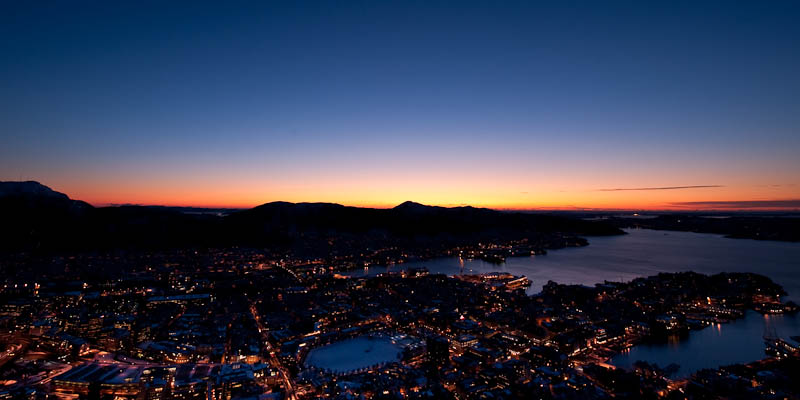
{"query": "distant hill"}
{"type": "Point", "coordinates": [774, 226]}
{"type": "Point", "coordinates": [407, 219]}
{"type": "Point", "coordinates": [32, 213]}
{"type": "Point", "coordinates": [41, 219]}
{"type": "Point", "coordinates": [32, 194]}
{"type": "Point", "coordinates": [37, 218]}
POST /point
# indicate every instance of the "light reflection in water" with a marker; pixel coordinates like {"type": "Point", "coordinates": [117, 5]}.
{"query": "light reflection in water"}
{"type": "Point", "coordinates": [645, 252]}
{"type": "Point", "coordinates": [739, 341]}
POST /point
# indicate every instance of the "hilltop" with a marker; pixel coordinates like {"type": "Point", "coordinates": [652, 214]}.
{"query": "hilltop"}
{"type": "Point", "coordinates": [40, 219]}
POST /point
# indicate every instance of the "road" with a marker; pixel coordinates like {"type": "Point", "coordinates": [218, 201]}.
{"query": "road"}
{"type": "Point", "coordinates": [273, 359]}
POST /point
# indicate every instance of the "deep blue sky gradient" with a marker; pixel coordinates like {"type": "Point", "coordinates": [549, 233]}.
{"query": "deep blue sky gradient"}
{"type": "Point", "coordinates": [164, 90]}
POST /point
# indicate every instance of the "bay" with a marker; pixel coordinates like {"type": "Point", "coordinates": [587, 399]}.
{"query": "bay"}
{"type": "Point", "coordinates": [643, 252]}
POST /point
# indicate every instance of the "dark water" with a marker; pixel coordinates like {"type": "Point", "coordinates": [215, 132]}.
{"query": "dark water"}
{"type": "Point", "coordinates": [646, 252]}
{"type": "Point", "coordinates": [719, 344]}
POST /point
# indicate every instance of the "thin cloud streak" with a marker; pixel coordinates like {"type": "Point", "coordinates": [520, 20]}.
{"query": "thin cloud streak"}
{"type": "Point", "coordinates": [774, 204]}
{"type": "Point", "coordinates": [659, 188]}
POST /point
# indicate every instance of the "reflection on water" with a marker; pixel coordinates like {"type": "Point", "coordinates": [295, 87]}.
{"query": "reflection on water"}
{"type": "Point", "coordinates": [647, 252]}
{"type": "Point", "coordinates": [673, 341]}
{"type": "Point", "coordinates": [740, 341]}
{"type": "Point", "coordinates": [642, 252]}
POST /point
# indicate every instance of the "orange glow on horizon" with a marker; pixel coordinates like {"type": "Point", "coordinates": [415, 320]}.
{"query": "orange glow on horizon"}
{"type": "Point", "coordinates": [387, 195]}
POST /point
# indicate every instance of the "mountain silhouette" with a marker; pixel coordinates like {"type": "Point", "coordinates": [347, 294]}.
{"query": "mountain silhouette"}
{"type": "Point", "coordinates": [32, 194]}
{"type": "Point", "coordinates": [40, 219]}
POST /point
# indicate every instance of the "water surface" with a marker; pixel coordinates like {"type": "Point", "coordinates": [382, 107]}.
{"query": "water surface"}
{"type": "Point", "coordinates": [736, 342]}
{"type": "Point", "coordinates": [642, 252]}
{"type": "Point", "coordinates": [645, 252]}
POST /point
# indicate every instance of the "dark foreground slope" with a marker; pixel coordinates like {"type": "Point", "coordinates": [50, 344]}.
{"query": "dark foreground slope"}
{"type": "Point", "coordinates": [36, 218]}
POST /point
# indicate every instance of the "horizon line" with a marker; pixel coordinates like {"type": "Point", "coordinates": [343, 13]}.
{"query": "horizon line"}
{"type": "Point", "coordinates": [720, 206]}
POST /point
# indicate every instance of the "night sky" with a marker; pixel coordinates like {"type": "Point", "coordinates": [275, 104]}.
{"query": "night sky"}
{"type": "Point", "coordinates": [501, 104]}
